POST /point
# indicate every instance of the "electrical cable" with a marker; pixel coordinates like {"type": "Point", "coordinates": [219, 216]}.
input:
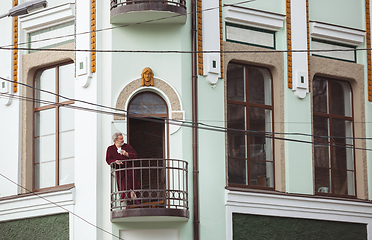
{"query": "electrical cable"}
{"type": "Point", "coordinates": [187, 52]}
{"type": "Point", "coordinates": [211, 128]}
{"type": "Point", "coordinates": [29, 191]}
{"type": "Point", "coordinates": [126, 25]}
{"type": "Point", "coordinates": [178, 122]}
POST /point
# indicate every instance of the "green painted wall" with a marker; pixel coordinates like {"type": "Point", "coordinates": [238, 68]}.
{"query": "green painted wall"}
{"type": "Point", "coordinates": [298, 156]}
{"type": "Point", "coordinates": [46, 227]}
{"type": "Point", "coordinates": [348, 13]}
{"type": "Point", "coordinates": [212, 167]}
{"type": "Point", "coordinates": [265, 227]}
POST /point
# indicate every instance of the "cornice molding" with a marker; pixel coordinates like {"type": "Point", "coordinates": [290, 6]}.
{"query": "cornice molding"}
{"type": "Point", "coordinates": [34, 206]}
{"type": "Point", "coordinates": [338, 34]}
{"type": "Point", "coordinates": [48, 17]}
{"type": "Point", "coordinates": [254, 18]}
{"type": "Point", "coordinates": [299, 206]}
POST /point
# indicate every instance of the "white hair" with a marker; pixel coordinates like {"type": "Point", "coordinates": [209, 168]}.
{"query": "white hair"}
{"type": "Point", "coordinates": [116, 135]}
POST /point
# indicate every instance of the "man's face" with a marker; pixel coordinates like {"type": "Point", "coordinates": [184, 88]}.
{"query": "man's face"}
{"type": "Point", "coordinates": [119, 141]}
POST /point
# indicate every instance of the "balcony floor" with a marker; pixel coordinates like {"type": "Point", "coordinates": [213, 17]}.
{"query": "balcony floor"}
{"type": "Point", "coordinates": [136, 17]}
{"type": "Point", "coordinates": [150, 215]}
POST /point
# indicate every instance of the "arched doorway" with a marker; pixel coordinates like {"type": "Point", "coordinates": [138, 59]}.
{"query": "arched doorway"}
{"type": "Point", "coordinates": [146, 132]}
{"type": "Point", "coordinates": [147, 135]}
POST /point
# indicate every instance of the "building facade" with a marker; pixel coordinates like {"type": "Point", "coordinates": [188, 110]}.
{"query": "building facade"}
{"type": "Point", "coordinates": [251, 119]}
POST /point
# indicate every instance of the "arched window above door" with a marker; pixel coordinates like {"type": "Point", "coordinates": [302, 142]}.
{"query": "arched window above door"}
{"type": "Point", "coordinates": [148, 103]}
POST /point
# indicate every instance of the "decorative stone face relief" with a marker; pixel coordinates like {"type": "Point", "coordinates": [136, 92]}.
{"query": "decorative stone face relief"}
{"type": "Point", "coordinates": [147, 77]}
{"type": "Point", "coordinates": [160, 87]}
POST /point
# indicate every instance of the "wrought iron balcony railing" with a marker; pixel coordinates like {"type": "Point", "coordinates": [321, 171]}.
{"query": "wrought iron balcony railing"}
{"type": "Point", "coordinates": [154, 11]}
{"type": "Point", "coordinates": [149, 188]}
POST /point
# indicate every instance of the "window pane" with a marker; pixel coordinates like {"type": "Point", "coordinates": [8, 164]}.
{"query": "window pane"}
{"type": "Point", "coordinates": [235, 116]}
{"type": "Point", "coordinates": [321, 129]}
{"type": "Point", "coordinates": [344, 182]}
{"type": "Point", "coordinates": [322, 180]}
{"type": "Point", "coordinates": [147, 108]}
{"type": "Point", "coordinates": [45, 148]}
{"type": "Point", "coordinates": [135, 108]}
{"type": "Point", "coordinates": [342, 158]}
{"type": "Point", "coordinates": [45, 122]}
{"type": "Point", "coordinates": [67, 81]}
{"type": "Point", "coordinates": [237, 171]}
{"type": "Point", "coordinates": [257, 148]}
{"type": "Point", "coordinates": [66, 119]}
{"type": "Point", "coordinates": [45, 175]}
{"type": "Point", "coordinates": [66, 171]}
{"type": "Point", "coordinates": [160, 109]}
{"type": "Point", "coordinates": [45, 138]}
{"type": "Point", "coordinates": [235, 83]}
{"type": "Point", "coordinates": [342, 131]}
{"type": "Point", "coordinates": [261, 173]}
{"type": "Point", "coordinates": [237, 144]}
{"type": "Point", "coordinates": [147, 103]}
{"type": "Point", "coordinates": [137, 99]}
{"type": "Point", "coordinates": [341, 98]}
{"type": "Point", "coordinates": [320, 93]}
{"type": "Point", "coordinates": [259, 85]}
{"type": "Point", "coordinates": [147, 97]}
{"type": "Point", "coordinates": [259, 123]}
{"type": "Point", "coordinates": [46, 81]}
{"type": "Point", "coordinates": [321, 156]}
{"type": "Point", "coordinates": [321, 147]}
{"type": "Point", "coordinates": [66, 144]}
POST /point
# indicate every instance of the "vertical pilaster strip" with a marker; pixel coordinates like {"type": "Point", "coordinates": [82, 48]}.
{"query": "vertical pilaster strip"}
{"type": "Point", "coordinates": [200, 36]}
{"type": "Point", "coordinates": [221, 38]}
{"type": "Point", "coordinates": [368, 37]}
{"type": "Point", "coordinates": [15, 51]}
{"type": "Point", "coordinates": [308, 42]}
{"type": "Point", "coordinates": [93, 35]}
{"type": "Point", "coordinates": [289, 43]}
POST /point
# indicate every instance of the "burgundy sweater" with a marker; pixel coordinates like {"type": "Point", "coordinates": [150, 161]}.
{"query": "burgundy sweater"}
{"type": "Point", "coordinates": [112, 153]}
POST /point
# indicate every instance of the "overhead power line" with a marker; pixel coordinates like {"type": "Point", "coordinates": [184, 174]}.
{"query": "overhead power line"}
{"type": "Point", "coordinates": [187, 52]}
{"type": "Point", "coordinates": [126, 113]}
{"type": "Point", "coordinates": [192, 124]}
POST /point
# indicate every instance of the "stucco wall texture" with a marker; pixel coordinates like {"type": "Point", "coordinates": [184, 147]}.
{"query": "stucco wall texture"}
{"type": "Point", "coordinates": [46, 227]}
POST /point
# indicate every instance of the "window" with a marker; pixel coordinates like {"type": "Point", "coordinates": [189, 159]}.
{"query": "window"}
{"type": "Point", "coordinates": [333, 130]}
{"type": "Point", "coordinates": [54, 127]}
{"type": "Point", "coordinates": [249, 109]}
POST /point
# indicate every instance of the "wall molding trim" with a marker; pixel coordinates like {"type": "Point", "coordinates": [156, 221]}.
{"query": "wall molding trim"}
{"type": "Point", "coordinates": [48, 17]}
{"type": "Point", "coordinates": [283, 205]}
{"type": "Point", "coordinates": [338, 34]}
{"type": "Point", "coordinates": [254, 18]}
{"type": "Point", "coordinates": [34, 206]}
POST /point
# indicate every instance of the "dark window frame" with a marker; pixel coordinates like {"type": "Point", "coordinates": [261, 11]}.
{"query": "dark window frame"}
{"type": "Point", "coordinates": [330, 116]}
{"type": "Point", "coordinates": [247, 105]}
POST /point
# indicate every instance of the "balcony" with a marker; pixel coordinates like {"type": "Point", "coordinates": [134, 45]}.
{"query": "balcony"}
{"type": "Point", "coordinates": [151, 11]}
{"type": "Point", "coordinates": [149, 190]}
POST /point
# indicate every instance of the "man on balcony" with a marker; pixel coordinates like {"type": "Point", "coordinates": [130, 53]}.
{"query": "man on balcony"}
{"type": "Point", "coordinates": [119, 153]}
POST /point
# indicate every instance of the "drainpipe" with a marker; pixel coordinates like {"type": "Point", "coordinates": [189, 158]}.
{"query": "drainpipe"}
{"type": "Point", "coordinates": [194, 88]}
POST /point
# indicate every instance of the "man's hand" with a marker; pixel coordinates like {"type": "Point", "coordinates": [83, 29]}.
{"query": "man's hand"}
{"type": "Point", "coordinates": [118, 162]}
{"type": "Point", "coordinates": [125, 153]}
